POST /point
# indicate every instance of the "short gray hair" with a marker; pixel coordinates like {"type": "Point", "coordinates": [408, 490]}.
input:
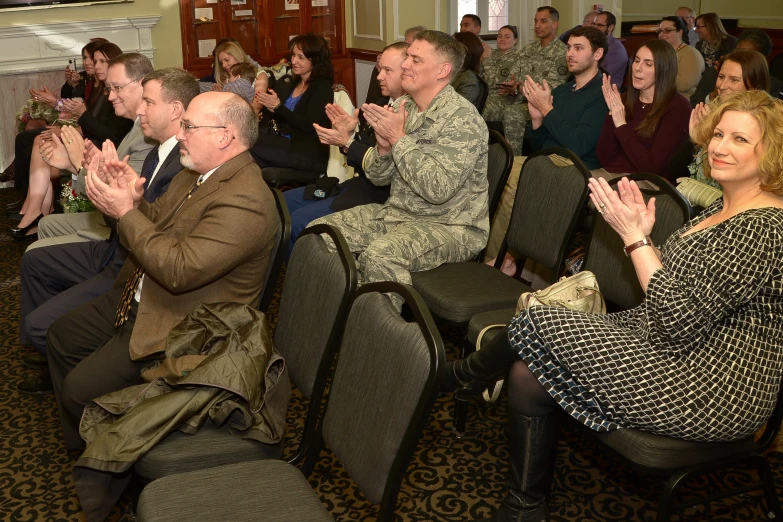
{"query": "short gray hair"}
{"type": "Point", "coordinates": [447, 47]}
{"type": "Point", "coordinates": [136, 65]}
{"type": "Point", "coordinates": [175, 85]}
{"type": "Point", "coordinates": [237, 111]}
{"type": "Point", "coordinates": [691, 12]}
{"type": "Point", "coordinates": [415, 31]}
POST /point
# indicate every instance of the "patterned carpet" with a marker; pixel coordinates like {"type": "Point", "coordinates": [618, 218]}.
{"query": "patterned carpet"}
{"type": "Point", "coordinates": [448, 480]}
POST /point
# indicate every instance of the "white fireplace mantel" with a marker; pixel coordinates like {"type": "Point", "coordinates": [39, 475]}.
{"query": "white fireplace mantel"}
{"type": "Point", "coordinates": [48, 47]}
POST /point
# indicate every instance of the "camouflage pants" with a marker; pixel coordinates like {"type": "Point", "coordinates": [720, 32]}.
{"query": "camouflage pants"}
{"type": "Point", "coordinates": [391, 251]}
{"type": "Point", "coordinates": [513, 115]}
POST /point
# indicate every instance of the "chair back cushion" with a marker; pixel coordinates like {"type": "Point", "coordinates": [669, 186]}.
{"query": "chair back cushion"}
{"type": "Point", "coordinates": [606, 259]}
{"type": "Point", "coordinates": [313, 293]}
{"type": "Point", "coordinates": [382, 372]}
{"type": "Point", "coordinates": [548, 198]}
{"type": "Point", "coordinates": [500, 159]}
{"type": "Point", "coordinates": [338, 166]}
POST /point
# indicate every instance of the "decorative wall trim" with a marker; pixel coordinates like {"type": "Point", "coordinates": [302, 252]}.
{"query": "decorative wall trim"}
{"type": "Point", "coordinates": [378, 36]}
{"type": "Point", "coordinates": [437, 15]}
{"type": "Point", "coordinates": [732, 16]}
{"type": "Point", "coordinates": [47, 47]}
{"type": "Point", "coordinates": [396, 13]}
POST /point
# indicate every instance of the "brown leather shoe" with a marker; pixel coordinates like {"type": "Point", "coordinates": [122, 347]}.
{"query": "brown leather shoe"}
{"type": "Point", "coordinates": [37, 385]}
{"type": "Point", "coordinates": [35, 361]}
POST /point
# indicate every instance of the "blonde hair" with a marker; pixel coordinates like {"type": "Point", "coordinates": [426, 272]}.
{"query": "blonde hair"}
{"type": "Point", "coordinates": [233, 49]}
{"type": "Point", "coordinates": [768, 113]}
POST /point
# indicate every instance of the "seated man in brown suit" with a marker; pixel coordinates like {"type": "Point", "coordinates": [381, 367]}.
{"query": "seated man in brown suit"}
{"type": "Point", "coordinates": [207, 239]}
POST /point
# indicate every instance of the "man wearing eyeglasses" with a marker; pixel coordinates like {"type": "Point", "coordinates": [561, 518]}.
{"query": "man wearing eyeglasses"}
{"type": "Point", "coordinates": [587, 21]}
{"type": "Point", "coordinates": [208, 239]}
{"type": "Point", "coordinates": [123, 86]}
{"type": "Point", "coordinates": [689, 15]}
{"type": "Point", "coordinates": [615, 62]}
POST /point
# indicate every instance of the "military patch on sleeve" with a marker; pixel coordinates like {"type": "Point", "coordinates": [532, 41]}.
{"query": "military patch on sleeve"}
{"type": "Point", "coordinates": [504, 72]}
{"type": "Point", "coordinates": [562, 70]}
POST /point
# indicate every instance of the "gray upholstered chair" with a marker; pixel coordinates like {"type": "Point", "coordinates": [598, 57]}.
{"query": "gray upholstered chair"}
{"type": "Point", "coordinates": [313, 304]}
{"type": "Point", "coordinates": [500, 161]}
{"type": "Point", "coordinates": [282, 237]}
{"type": "Point", "coordinates": [482, 101]}
{"type": "Point", "coordinates": [605, 258]}
{"type": "Point", "coordinates": [384, 386]}
{"type": "Point", "coordinates": [548, 201]}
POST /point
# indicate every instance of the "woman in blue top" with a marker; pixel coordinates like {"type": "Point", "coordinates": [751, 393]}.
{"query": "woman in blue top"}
{"type": "Point", "coordinates": [287, 137]}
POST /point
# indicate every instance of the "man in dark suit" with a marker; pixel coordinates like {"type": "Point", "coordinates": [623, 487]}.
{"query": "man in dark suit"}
{"type": "Point", "coordinates": [207, 239]}
{"type": "Point", "coordinates": [308, 203]}
{"type": "Point", "coordinates": [58, 278]}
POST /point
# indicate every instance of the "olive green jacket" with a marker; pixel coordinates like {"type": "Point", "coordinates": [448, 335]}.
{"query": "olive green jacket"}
{"type": "Point", "coordinates": [219, 366]}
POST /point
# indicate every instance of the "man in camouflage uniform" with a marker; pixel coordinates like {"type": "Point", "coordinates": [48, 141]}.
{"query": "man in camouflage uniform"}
{"type": "Point", "coordinates": [432, 149]}
{"type": "Point", "coordinates": [542, 59]}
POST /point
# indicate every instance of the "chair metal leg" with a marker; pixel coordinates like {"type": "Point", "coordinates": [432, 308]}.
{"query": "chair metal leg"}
{"type": "Point", "coordinates": [461, 406]}
{"type": "Point", "coordinates": [667, 497]}
{"type": "Point", "coordinates": [768, 485]}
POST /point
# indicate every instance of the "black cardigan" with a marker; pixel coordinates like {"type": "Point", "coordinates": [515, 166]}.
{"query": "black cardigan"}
{"type": "Point", "coordinates": [311, 108]}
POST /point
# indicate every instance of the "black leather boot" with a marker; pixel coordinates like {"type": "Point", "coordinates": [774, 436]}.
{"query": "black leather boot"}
{"type": "Point", "coordinates": [470, 376]}
{"type": "Point", "coordinates": [533, 446]}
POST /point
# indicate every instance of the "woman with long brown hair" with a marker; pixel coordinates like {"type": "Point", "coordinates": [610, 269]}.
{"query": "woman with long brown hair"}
{"type": "Point", "coordinates": [640, 134]}
{"type": "Point", "coordinates": [287, 138]}
{"type": "Point", "coordinates": [714, 41]}
{"type": "Point", "coordinates": [97, 122]}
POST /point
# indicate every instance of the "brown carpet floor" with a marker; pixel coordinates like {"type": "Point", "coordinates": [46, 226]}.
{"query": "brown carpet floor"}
{"type": "Point", "coordinates": [448, 479]}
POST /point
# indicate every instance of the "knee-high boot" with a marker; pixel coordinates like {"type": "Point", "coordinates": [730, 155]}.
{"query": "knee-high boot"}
{"type": "Point", "coordinates": [533, 445]}
{"type": "Point", "coordinates": [469, 376]}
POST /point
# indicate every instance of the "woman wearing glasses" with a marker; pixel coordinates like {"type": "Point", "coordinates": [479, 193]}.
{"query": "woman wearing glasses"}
{"type": "Point", "coordinates": [714, 41]}
{"type": "Point", "coordinates": [97, 122]}
{"type": "Point", "coordinates": [690, 63]}
{"type": "Point", "coordinates": [641, 133]}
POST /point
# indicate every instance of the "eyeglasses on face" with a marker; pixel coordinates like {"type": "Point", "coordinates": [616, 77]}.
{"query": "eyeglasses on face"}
{"type": "Point", "coordinates": [600, 25]}
{"type": "Point", "coordinates": [117, 89]}
{"type": "Point", "coordinates": [188, 127]}
{"type": "Point", "coordinates": [700, 26]}
{"type": "Point", "coordinates": [667, 30]}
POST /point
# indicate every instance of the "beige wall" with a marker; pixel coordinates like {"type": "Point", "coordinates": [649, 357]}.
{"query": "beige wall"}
{"type": "Point", "coordinates": [165, 35]}
{"type": "Point", "coordinates": [409, 13]}
{"type": "Point", "coordinates": [753, 13]}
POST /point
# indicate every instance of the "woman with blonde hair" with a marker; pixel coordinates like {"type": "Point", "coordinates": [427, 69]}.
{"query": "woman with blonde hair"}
{"type": "Point", "coordinates": [714, 41]}
{"type": "Point", "coordinates": [227, 55]}
{"type": "Point", "coordinates": [698, 359]}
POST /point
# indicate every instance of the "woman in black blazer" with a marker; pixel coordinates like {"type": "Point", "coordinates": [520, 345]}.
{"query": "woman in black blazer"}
{"type": "Point", "coordinates": [287, 137]}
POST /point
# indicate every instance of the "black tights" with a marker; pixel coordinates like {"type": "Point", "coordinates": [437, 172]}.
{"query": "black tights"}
{"type": "Point", "coordinates": [526, 396]}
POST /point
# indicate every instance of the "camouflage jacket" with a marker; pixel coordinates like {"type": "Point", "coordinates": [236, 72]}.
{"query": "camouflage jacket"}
{"type": "Point", "coordinates": [438, 170]}
{"type": "Point", "coordinates": [499, 66]}
{"type": "Point", "coordinates": [547, 63]}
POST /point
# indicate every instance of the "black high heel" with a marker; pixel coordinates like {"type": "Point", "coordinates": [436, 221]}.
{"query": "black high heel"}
{"type": "Point", "coordinates": [21, 234]}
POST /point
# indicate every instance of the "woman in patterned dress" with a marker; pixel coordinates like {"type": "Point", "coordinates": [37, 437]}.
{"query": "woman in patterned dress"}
{"type": "Point", "coordinates": [699, 359]}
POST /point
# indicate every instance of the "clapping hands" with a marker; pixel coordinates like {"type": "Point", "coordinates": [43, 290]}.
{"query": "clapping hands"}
{"type": "Point", "coordinates": [389, 126]}
{"type": "Point", "coordinates": [343, 126]}
{"type": "Point", "coordinates": [699, 112]}
{"type": "Point", "coordinates": [539, 98]}
{"type": "Point", "coordinates": [613, 101]}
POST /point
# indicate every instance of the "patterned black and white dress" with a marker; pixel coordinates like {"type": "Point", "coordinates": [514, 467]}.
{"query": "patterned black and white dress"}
{"type": "Point", "coordinates": [699, 359]}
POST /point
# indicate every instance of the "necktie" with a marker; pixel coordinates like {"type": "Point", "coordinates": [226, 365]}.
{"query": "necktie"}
{"type": "Point", "coordinates": [149, 169]}
{"type": "Point", "coordinates": [129, 291]}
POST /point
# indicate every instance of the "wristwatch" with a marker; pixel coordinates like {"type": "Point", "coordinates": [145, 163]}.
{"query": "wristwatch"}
{"type": "Point", "coordinates": [633, 246]}
{"type": "Point", "coordinates": [344, 148]}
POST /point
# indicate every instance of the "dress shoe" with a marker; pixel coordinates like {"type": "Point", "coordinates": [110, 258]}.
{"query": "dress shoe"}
{"type": "Point", "coordinates": [35, 361]}
{"type": "Point", "coordinates": [37, 385]}
{"type": "Point", "coordinates": [21, 234]}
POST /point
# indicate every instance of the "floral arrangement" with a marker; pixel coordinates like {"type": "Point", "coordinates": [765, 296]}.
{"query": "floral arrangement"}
{"type": "Point", "coordinates": [34, 110]}
{"type": "Point", "coordinates": [73, 202]}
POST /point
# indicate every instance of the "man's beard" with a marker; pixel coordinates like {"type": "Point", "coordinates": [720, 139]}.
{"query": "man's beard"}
{"type": "Point", "coordinates": [186, 161]}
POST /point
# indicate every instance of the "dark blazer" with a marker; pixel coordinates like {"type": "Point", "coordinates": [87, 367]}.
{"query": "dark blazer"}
{"type": "Point", "coordinates": [213, 247]}
{"type": "Point", "coordinates": [75, 91]}
{"type": "Point", "coordinates": [170, 168]}
{"type": "Point", "coordinates": [359, 190]}
{"type": "Point", "coordinates": [101, 123]}
{"type": "Point", "coordinates": [727, 46]}
{"type": "Point", "coordinates": [310, 109]}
